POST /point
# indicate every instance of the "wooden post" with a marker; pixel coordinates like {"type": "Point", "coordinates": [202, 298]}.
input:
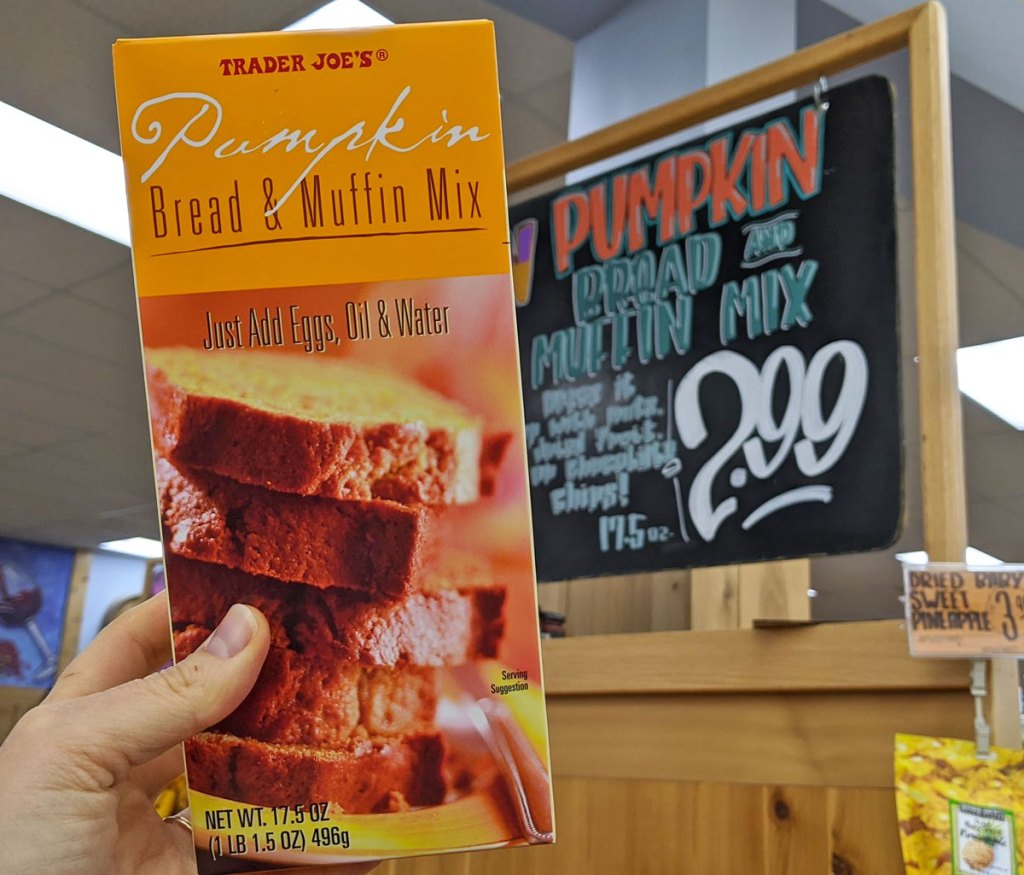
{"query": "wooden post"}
{"type": "Point", "coordinates": [73, 611]}
{"type": "Point", "coordinates": [944, 500]}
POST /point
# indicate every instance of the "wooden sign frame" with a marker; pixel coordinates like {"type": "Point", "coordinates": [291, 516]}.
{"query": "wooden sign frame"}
{"type": "Point", "coordinates": [922, 31]}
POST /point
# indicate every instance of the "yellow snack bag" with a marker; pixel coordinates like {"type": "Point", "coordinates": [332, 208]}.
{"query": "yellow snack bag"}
{"type": "Point", "coordinates": [959, 814]}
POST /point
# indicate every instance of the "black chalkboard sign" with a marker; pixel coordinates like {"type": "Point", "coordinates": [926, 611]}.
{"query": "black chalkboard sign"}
{"type": "Point", "coordinates": [709, 348]}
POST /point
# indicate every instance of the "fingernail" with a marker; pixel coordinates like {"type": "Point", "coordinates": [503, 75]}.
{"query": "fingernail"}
{"type": "Point", "coordinates": [233, 633]}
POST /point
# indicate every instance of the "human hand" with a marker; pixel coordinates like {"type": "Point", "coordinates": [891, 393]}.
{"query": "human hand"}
{"type": "Point", "coordinates": [78, 774]}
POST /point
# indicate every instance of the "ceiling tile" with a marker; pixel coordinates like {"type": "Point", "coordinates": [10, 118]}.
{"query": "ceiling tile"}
{"type": "Point", "coordinates": [997, 527]}
{"type": "Point", "coordinates": [1003, 261]}
{"type": "Point", "coordinates": [26, 357]}
{"type": "Point", "coordinates": [55, 64]}
{"type": "Point", "coordinates": [49, 251]}
{"type": "Point", "coordinates": [69, 533]}
{"type": "Point", "coordinates": [120, 463]}
{"type": "Point", "coordinates": [528, 54]}
{"type": "Point", "coordinates": [37, 497]}
{"type": "Point", "coordinates": [74, 324]}
{"type": "Point", "coordinates": [550, 100]}
{"type": "Point", "coordinates": [524, 132]}
{"type": "Point", "coordinates": [16, 292]}
{"type": "Point", "coordinates": [183, 17]}
{"type": "Point", "coordinates": [77, 469]}
{"type": "Point", "coordinates": [57, 407]}
{"type": "Point", "coordinates": [62, 498]}
{"type": "Point", "coordinates": [995, 465]}
{"type": "Point", "coordinates": [573, 20]}
{"type": "Point", "coordinates": [32, 432]}
{"type": "Point", "coordinates": [141, 521]}
{"type": "Point", "coordinates": [114, 289]}
{"type": "Point", "coordinates": [10, 448]}
{"type": "Point", "coordinates": [989, 309]}
{"type": "Point", "coordinates": [18, 524]}
{"type": "Point", "coordinates": [980, 422]}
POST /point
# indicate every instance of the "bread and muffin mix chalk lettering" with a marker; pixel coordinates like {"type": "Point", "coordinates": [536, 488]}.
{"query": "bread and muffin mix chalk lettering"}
{"type": "Point", "coordinates": [635, 303]}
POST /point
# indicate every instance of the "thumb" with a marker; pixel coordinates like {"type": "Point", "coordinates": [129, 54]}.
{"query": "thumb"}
{"type": "Point", "coordinates": [132, 723]}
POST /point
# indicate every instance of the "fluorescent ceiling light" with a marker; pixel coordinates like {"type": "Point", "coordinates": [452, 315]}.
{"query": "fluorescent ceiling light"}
{"type": "Point", "coordinates": [145, 548]}
{"type": "Point", "coordinates": [340, 14]}
{"type": "Point", "coordinates": [47, 168]}
{"type": "Point", "coordinates": [974, 557]}
{"type": "Point", "coordinates": [991, 375]}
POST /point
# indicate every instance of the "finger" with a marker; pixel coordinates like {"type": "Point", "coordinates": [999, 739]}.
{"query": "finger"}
{"type": "Point", "coordinates": [135, 722]}
{"type": "Point", "coordinates": [135, 644]}
{"type": "Point", "coordinates": [153, 776]}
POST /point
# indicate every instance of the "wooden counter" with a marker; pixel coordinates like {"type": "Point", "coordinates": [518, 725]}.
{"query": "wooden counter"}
{"type": "Point", "coordinates": [747, 752]}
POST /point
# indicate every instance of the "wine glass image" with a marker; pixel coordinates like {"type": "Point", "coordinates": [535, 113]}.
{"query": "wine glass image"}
{"type": "Point", "coordinates": [10, 662]}
{"type": "Point", "coordinates": [20, 601]}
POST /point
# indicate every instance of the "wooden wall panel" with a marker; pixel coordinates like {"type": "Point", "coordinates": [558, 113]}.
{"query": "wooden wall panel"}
{"type": "Point", "coordinates": [797, 830]}
{"type": "Point", "coordinates": [446, 864]}
{"type": "Point", "coordinates": [775, 591]}
{"type": "Point", "coordinates": [734, 596]}
{"type": "Point", "coordinates": [864, 837]}
{"type": "Point", "coordinates": [822, 739]}
{"type": "Point", "coordinates": [670, 601]}
{"type": "Point", "coordinates": [630, 827]}
{"type": "Point", "coordinates": [658, 601]}
{"type": "Point", "coordinates": [552, 596]}
{"type": "Point", "coordinates": [728, 832]}
{"type": "Point", "coordinates": [858, 657]}
{"type": "Point", "coordinates": [715, 598]}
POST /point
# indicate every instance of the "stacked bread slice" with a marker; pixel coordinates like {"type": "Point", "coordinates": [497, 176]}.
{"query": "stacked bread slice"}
{"type": "Point", "coordinates": [315, 491]}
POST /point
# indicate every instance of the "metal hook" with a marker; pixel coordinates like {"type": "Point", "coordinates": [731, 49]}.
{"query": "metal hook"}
{"type": "Point", "coordinates": [821, 89]}
{"type": "Point", "coordinates": [979, 689]}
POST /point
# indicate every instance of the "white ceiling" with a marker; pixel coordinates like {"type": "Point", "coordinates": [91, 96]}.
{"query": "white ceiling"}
{"type": "Point", "coordinates": [74, 446]}
{"type": "Point", "coordinates": [984, 39]}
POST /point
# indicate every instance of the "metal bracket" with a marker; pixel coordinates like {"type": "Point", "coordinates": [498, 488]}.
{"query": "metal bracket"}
{"type": "Point", "coordinates": [979, 689]}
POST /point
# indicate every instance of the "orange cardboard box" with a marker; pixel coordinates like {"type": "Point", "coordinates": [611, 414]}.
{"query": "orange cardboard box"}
{"type": "Point", "coordinates": [320, 242]}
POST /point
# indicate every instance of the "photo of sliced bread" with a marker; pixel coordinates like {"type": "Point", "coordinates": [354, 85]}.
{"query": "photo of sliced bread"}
{"type": "Point", "coordinates": [318, 427]}
{"type": "Point", "coordinates": [307, 698]}
{"type": "Point", "coordinates": [370, 774]}
{"type": "Point", "coordinates": [315, 490]}
{"type": "Point", "coordinates": [375, 546]}
{"type": "Point", "coordinates": [448, 622]}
